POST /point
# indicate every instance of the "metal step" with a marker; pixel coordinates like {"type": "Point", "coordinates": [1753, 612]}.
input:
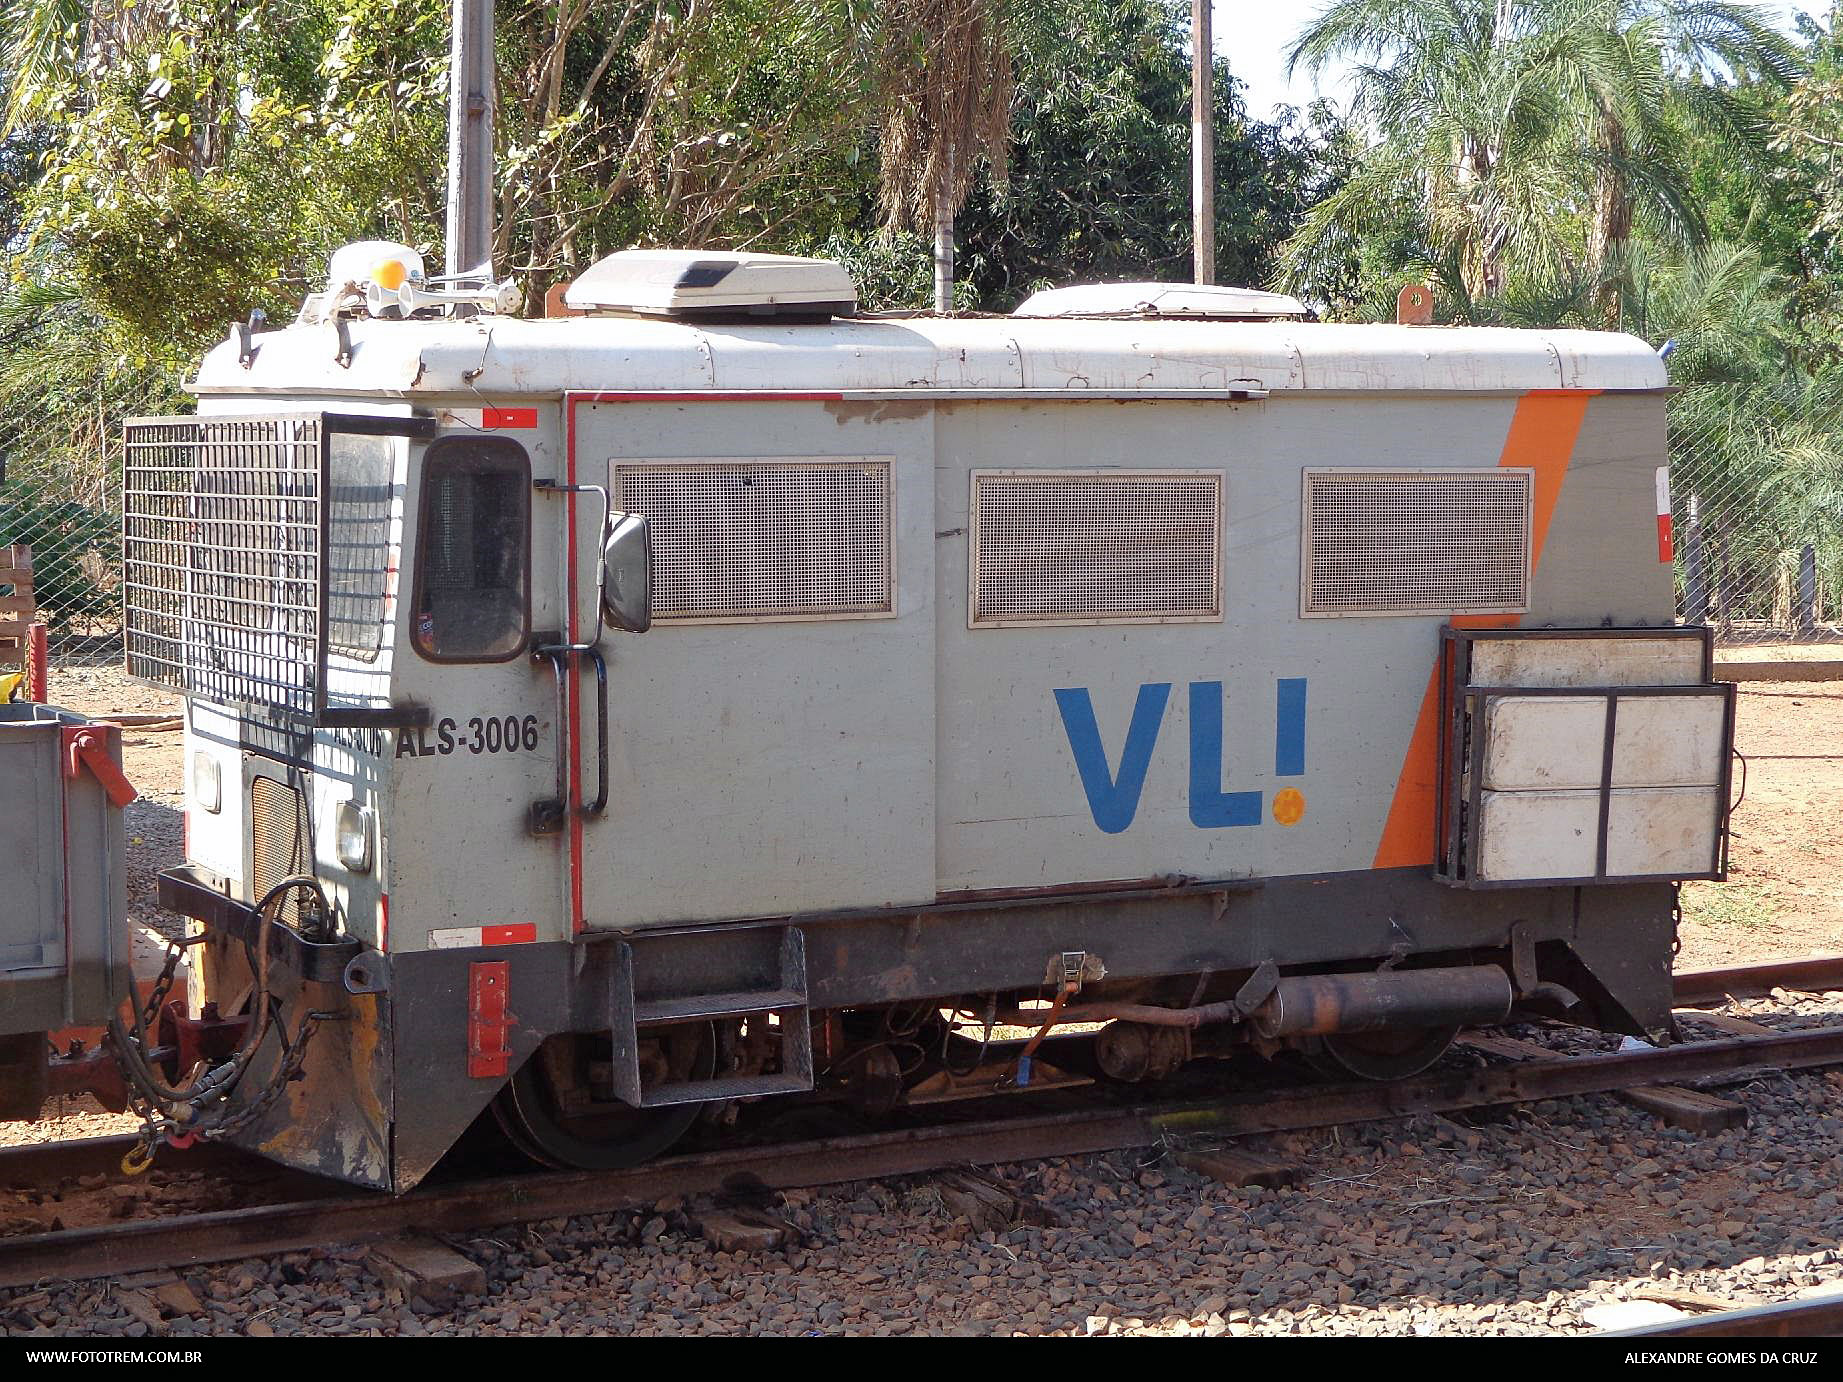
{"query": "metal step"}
{"type": "Point", "coordinates": [729, 1087]}
{"type": "Point", "coordinates": [697, 1005]}
{"type": "Point", "coordinates": [787, 999]}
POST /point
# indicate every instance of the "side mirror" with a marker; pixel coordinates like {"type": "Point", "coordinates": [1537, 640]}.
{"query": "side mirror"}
{"type": "Point", "coordinates": [627, 573]}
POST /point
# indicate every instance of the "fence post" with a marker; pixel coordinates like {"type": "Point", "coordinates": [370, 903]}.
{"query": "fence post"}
{"type": "Point", "coordinates": [38, 662]}
{"type": "Point", "coordinates": [1695, 572]}
{"type": "Point", "coordinates": [1724, 590]}
{"type": "Point", "coordinates": [1807, 591]}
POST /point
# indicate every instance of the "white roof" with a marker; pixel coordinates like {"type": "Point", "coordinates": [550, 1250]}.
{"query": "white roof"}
{"type": "Point", "coordinates": [495, 358]}
{"type": "Point", "coordinates": [1160, 300]}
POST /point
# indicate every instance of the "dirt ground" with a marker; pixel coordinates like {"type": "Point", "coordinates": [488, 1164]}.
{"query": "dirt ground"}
{"type": "Point", "coordinates": [1784, 894]}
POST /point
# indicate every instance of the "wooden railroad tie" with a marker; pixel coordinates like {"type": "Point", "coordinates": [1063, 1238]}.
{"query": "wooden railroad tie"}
{"type": "Point", "coordinates": [1690, 1109]}
{"type": "Point", "coordinates": [1241, 1168]}
{"type": "Point", "coordinates": [1722, 1022]}
{"type": "Point", "coordinates": [419, 1266]}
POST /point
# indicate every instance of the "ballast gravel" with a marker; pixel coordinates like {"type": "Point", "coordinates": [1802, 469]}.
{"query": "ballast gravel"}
{"type": "Point", "coordinates": [1522, 1223]}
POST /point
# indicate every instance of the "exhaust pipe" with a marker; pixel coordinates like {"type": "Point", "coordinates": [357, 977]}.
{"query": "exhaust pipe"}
{"type": "Point", "coordinates": [1322, 1004]}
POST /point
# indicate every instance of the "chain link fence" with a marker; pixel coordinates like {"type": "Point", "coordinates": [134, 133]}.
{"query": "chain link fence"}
{"type": "Point", "coordinates": [1756, 483]}
{"type": "Point", "coordinates": [70, 516]}
{"type": "Point", "coordinates": [1756, 486]}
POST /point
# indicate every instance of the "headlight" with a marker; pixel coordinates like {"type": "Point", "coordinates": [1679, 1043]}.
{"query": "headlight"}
{"type": "Point", "coordinates": [352, 831]}
{"type": "Point", "coordinates": [207, 790]}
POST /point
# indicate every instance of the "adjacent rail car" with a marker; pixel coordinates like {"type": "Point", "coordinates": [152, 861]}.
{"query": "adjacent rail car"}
{"type": "Point", "coordinates": [65, 950]}
{"type": "Point", "coordinates": [704, 695]}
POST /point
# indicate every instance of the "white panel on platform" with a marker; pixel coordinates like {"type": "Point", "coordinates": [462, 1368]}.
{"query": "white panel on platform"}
{"type": "Point", "coordinates": [1544, 742]}
{"type": "Point", "coordinates": [1661, 830]}
{"type": "Point", "coordinates": [1623, 661]}
{"type": "Point", "coordinates": [1668, 741]}
{"type": "Point", "coordinates": [1538, 835]}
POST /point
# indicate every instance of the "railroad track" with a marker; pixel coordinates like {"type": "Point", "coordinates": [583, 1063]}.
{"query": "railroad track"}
{"type": "Point", "coordinates": [323, 1213]}
{"type": "Point", "coordinates": [1793, 1319]}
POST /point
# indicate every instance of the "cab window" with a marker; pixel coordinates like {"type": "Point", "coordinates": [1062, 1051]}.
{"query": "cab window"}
{"type": "Point", "coordinates": [357, 542]}
{"type": "Point", "coordinates": [473, 551]}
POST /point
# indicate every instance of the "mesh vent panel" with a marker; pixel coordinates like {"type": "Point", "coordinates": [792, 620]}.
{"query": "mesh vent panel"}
{"type": "Point", "coordinates": [1061, 547]}
{"type": "Point", "coordinates": [278, 838]}
{"type": "Point", "coordinates": [765, 539]}
{"type": "Point", "coordinates": [1405, 542]}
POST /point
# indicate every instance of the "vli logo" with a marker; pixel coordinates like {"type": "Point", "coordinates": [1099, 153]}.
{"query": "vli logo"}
{"type": "Point", "coordinates": [1113, 793]}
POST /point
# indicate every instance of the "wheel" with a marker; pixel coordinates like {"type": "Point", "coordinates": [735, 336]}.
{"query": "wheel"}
{"type": "Point", "coordinates": [1385, 1055]}
{"type": "Point", "coordinates": [558, 1111]}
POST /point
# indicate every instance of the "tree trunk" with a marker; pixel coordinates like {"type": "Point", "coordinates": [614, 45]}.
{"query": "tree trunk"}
{"type": "Point", "coordinates": [944, 241]}
{"type": "Point", "coordinates": [1611, 227]}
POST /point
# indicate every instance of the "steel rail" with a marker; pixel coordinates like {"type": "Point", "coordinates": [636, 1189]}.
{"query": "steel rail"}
{"type": "Point", "coordinates": [1697, 987]}
{"type": "Point", "coordinates": [345, 1217]}
{"type": "Point", "coordinates": [1793, 1319]}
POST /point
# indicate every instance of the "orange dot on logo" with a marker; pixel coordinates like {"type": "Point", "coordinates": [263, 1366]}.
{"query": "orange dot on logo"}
{"type": "Point", "coordinates": [1289, 806]}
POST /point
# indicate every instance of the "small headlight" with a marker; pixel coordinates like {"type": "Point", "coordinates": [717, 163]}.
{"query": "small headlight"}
{"type": "Point", "coordinates": [207, 789]}
{"type": "Point", "coordinates": [352, 830]}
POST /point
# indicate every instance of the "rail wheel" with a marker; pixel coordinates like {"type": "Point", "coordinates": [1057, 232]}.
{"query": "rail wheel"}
{"type": "Point", "coordinates": [560, 1110]}
{"type": "Point", "coordinates": [1385, 1055]}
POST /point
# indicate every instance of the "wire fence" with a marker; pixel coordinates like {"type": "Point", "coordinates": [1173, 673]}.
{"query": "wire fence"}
{"type": "Point", "coordinates": [1756, 482]}
{"type": "Point", "coordinates": [70, 516]}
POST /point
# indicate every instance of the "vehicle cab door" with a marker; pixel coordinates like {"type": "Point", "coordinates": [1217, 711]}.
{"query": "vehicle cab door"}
{"type": "Point", "coordinates": [477, 595]}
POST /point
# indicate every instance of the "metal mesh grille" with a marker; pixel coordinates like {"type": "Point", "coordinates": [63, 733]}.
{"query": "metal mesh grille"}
{"type": "Point", "coordinates": [222, 570]}
{"type": "Point", "coordinates": [1062, 547]}
{"type": "Point", "coordinates": [278, 836]}
{"type": "Point", "coordinates": [1408, 542]}
{"type": "Point", "coordinates": [765, 539]}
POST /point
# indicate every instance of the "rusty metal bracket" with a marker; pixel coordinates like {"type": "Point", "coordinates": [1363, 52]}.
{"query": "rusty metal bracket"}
{"type": "Point", "coordinates": [489, 1019]}
{"type": "Point", "coordinates": [1068, 970]}
{"type": "Point", "coordinates": [87, 746]}
{"type": "Point", "coordinates": [1258, 989]}
{"type": "Point", "coordinates": [1523, 959]}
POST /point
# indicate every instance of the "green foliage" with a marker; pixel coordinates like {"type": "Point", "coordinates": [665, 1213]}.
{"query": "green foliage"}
{"type": "Point", "coordinates": [1534, 139]}
{"type": "Point", "coordinates": [64, 389]}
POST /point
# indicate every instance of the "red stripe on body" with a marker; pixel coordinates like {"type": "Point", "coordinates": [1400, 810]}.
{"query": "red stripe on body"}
{"type": "Point", "coordinates": [518, 933]}
{"type": "Point", "coordinates": [508, 417]}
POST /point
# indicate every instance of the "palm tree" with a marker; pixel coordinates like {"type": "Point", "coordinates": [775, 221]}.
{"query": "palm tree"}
{"type": "Point", "coordinates": [945, 80]}
{"type": "Point", "coordinates": [43, 41]}
{"type": "Point", "coordinates": [1534, 132]}
{"type": "Point", "coordinates": [1641, 77]}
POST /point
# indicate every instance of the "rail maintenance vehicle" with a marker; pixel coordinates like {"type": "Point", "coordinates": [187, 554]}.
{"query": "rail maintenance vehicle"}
{"type": "Point", "coordinates": [709, 693]}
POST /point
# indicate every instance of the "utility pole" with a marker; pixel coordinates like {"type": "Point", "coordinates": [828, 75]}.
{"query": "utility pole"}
{"type": "Point", "coordinates": [1202, 141]}
{"type": "Point", "coordinates": [470, 139]}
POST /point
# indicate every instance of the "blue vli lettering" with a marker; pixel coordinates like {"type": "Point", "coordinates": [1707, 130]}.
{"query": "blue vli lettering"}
{"type": "Point", "coordinates": [1113, 794]}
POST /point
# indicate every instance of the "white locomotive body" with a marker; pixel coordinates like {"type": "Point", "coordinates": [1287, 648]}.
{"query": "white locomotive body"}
{"type": "Point", "coordinates": [1173, 665]}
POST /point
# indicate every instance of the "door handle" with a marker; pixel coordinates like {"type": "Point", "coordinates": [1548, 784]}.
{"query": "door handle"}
{"type": "Point", "coordinates": [546, 816]}
{"type": "Point", "coordinates": [600, 805]}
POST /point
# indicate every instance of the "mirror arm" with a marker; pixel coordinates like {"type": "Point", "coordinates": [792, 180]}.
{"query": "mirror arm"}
{"type": "Point", "coordinates": [553, 487]}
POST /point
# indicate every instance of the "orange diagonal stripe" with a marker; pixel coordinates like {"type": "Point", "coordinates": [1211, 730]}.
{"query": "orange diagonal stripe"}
{"type": "Point", "coordinates": [1542, 436]}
